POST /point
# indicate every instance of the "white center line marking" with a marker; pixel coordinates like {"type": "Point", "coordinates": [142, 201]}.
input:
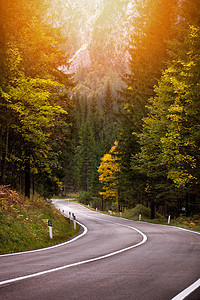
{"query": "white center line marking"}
{"type": "Point", "coordinates": [144, 239]}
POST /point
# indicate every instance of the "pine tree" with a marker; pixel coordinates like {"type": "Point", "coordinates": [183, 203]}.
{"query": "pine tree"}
{"type": "Point", "coordinates": [31, 89]}
{"type": "Point", "coordinates": [86, 156]}
{"type": "Point", "coordinates": [108, 100]}
{"type": "Point", "coordinates": [170, 137]}
{"type": "Point", "coordinates": [152, 25]}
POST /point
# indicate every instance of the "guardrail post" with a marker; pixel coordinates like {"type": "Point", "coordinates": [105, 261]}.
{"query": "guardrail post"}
{"type": "Point", "coordinates": [50, 229]}
{"type": "Point", "coordinates": [169, 219]}
{"type": "Point", "coordinates": [74, 220]}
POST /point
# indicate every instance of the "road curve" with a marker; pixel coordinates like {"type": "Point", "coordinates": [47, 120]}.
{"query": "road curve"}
{"type": "Point", "coordinates": [114, 258]}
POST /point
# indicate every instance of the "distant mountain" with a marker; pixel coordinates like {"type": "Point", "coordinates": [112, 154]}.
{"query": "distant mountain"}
{"type": "Point", "coordinates": [97, 36]}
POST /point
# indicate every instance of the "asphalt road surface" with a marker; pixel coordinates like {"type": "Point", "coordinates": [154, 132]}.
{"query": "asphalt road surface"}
{"type": "Point", "coordinates": [112, 258]}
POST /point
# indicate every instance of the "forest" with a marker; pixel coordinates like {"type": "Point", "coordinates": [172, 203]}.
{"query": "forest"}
{"type": "Point", "coordinates": [102, 99]}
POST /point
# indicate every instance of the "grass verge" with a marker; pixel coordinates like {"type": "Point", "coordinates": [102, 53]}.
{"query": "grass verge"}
{"type": "Point", "coordinates": [24, 224]}
{"type": "Point", "coordinates": [192, 223]}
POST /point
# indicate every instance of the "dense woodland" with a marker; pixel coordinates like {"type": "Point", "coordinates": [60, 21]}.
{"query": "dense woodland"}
{"type": "Point", "coordinates": [121, 131]}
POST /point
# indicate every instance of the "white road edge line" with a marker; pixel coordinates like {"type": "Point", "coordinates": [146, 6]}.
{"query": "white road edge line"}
{"type": "Point", "coordinates": [187, 291]}
{"type": "Point", "coordinates": [51, 247]}
{"type": "Point", "coordinates": [184, 229]}
{"type": "Point", "coordinates": [81, 262]}
{"type": "Point", "coordinates": [180, 296]}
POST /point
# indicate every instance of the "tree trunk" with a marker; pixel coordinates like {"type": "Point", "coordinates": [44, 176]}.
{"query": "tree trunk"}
{"type": "Point", "coordinates": [27, 173]}
{"type": "Point", "coordinates": [102, 204]}
{"type": "Point", "coordinates": [187, 205]}
{"type": "Point", "coordinates": [153, 210]}
{"type": "Point", "coordinates": [4, 157]}
{"type": "Point", "coordinates": [33, 186]}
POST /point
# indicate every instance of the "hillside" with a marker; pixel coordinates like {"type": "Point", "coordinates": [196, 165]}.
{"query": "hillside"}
{"type": "Point", "coordinates": [24, 224]}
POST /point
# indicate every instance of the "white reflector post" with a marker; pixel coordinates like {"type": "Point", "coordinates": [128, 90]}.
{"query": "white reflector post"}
{"type": "Point", "coordinates": [50, 229]}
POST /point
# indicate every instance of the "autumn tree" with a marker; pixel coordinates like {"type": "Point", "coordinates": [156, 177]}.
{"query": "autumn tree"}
{"type": "Point", "coordinates": [108, 175]}
{"type": "Point", "coordinates": [31, 90]}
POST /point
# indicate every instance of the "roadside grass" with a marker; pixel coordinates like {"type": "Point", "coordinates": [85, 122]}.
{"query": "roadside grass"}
{"type": "Point", "coordinates": [192, 223]}
{"type": "Point", "coordinates": [182, 221]}
{"type": "Point", "coordinates": [24, 224]}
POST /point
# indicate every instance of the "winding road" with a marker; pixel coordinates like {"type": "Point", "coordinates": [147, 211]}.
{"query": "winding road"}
{"type": "Point", "coordinates": [111, 258]}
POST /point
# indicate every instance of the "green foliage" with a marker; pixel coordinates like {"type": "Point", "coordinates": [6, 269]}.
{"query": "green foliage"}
{"type": "Point", "coordinates": [85, 197]}
{"type": "Point", "coordinates": [170, 134]}
{"type": "Point", "coordinates": [28, 100]}
{"type": "Point", "coordinates": [151, 27]}
{"type": "Point", "coordinates": [108, 100]}
{"type": "Point", "coordinates": [86, 156]}
{"type": "Point", "coordinates": [161, 124]}
{"type": "Point", "coordinates": [170, 137]}
{"type": "Point", "coordinates": [32, 86]}
{"type": "Point", "coordinates": [94, 134]}
{"type": "Point", "coordinates": [180, 143]}
{"type": "Point", "coordinates": [138, 209]}
{"type": "Point", "coordinates": [49, 136]}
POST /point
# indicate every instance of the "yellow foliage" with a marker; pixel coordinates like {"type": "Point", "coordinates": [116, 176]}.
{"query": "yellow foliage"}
{"type": "Point", "coordinates": [109, 170]}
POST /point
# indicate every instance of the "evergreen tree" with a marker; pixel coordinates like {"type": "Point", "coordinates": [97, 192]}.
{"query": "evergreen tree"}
{"type": "Point", "coordinates": [108, 100]}
{"type": "Point", "coordinates": [152, 25]}
{"type": "Point", "coordinates": [94, 104]}
{"type": "Point", "coordinates": [170, 138]}
{"type": "Point", "coordinates": [85, 156]}
{"type": "Point", "coordinates": [95, 129]}
{"type": "Point", "coordinates": [31, 89]}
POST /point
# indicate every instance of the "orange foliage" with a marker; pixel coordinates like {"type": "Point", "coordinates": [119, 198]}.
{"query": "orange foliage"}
{"type": "Point", "coordinates": [9, 197]}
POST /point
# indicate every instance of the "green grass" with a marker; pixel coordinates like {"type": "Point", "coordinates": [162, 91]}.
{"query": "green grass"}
{"type": "Point", "coordinates": [192, 223]}
{"type": "Point", "coordinates": [24, 226]}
